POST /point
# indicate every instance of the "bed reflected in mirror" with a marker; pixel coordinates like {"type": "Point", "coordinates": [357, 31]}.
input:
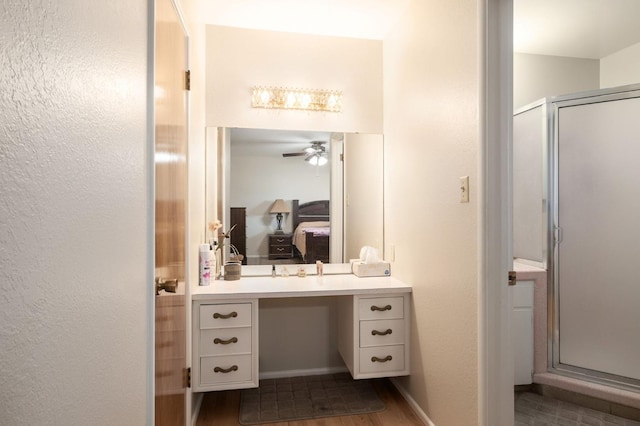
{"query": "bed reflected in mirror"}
{"type": "Point", "coordinates": [311, 231]}
{"type": "Point", "coordinates": [332, 183]}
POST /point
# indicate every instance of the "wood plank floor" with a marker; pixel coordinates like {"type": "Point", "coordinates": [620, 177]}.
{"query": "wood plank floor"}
{"type": "Point", "coordinates": [221, 409]}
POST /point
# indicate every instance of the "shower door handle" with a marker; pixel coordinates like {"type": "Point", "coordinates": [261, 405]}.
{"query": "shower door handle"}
{"type": "Point", "coordinates": [557, 234]}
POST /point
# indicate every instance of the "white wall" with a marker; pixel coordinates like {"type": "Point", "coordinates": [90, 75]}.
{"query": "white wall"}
{"type": "Point", "coordinates": [75, 231]}
{"type": "Point", "coordinates": [257, 181]}
{"type": "Point", "coordinates": [238, 59]}
{"type": "Point", "coordinates": [621, 68]}
{"type": "Point", "coordinates": [539, 76]}
{"type": "Point", "coordinates": [431, 139]}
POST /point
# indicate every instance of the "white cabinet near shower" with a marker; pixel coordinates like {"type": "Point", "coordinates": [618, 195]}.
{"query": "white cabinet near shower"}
{"type": "Point", "coordinates": [521, 298]}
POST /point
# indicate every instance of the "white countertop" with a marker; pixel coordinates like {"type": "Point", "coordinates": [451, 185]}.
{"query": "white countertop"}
{"type": "Point", "coordinates": [522, 266]}
{"type": "Point", "coordinates": [294, 286]}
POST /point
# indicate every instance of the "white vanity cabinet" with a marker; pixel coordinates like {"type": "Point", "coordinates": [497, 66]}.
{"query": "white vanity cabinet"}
{"type": "Point", "coordinates": [373, 330]}
{"type": "Point", "coordinates": [373, 337]}
{"type": "Point", "coordinates": [225, 345]}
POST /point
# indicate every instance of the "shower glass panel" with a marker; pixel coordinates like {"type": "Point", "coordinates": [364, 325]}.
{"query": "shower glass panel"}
{"type": "Point", "coordinates": [597, 211]}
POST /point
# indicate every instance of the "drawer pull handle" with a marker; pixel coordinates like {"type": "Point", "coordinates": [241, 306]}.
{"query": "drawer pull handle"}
{"type": "Point", "coordinates": [384, 308]}
{"type": "Point", "coordinates": [381, 333]}
{"type": "Point", "coordinates": [225, 370]}
{"type": "Point", "coordinates": [280, 240]}
{"type": "Point", "coordinates": [225, 342]}
{"type": "Point", "coordinates": [280, 248]}
{"type": "Point", "coordinates": [385, 359]}
{"type": "Point", "coordinates": [227, 316]}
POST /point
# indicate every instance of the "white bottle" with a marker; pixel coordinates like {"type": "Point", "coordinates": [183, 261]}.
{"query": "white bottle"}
{"type": "Point", "coordinates": [206, 264]}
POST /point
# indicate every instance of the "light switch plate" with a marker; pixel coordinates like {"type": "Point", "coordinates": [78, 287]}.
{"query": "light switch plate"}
{"type": "Point", "coordinates": [464, 189]}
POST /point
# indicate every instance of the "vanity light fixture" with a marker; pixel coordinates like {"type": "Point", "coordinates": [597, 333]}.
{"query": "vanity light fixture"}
{"type": "Point", "coordinates": [279, 207]}
{"type": "Point", "coordinates": [303, 99]}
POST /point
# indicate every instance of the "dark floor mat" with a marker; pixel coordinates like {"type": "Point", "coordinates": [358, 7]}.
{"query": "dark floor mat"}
{"type": "Point", "coordinates": [308, 397]}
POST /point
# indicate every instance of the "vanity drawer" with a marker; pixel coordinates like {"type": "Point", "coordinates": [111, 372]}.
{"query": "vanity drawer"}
{"type": "Point", "coordinates": [379, 359]}
{"type": "Point", "coordinates": [230, 369]}
{"type": "Point", "coordinates": [225, 341]}
{"type": "Point", "coordinates": [381, 308]}
{"type": "Point", "coordinates": [225, 315]}
{"type": "Point", "coordinates": [381, 332]}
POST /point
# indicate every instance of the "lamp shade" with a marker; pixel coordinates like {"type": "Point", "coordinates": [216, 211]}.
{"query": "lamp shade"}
{"type": "Point", "coordinates": [279, 206]}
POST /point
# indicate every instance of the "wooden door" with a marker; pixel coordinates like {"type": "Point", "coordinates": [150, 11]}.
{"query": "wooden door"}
{"type": "Point", "coordinates": [170, 210]}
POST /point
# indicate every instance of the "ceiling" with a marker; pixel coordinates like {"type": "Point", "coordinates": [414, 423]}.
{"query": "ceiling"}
{"type": "Point", "coordinates": [575, 28]}
{"type": "Point", "coordinates": [369, 19]}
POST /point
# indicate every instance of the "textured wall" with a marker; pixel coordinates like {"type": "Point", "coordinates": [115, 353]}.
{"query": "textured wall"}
{"type": "Point", "coordinates": [432, 132]}
{"type": "Point", "coordinates": [74, 203]}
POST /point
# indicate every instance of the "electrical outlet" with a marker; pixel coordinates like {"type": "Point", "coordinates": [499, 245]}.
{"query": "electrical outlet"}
{"type": "Point", "coordinates": [464, 189]}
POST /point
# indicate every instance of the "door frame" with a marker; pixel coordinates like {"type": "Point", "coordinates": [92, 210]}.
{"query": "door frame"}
{"type": "Point", "coordinates": [495, 35]}
{"type": "Point", "coordinates": [495, 369]}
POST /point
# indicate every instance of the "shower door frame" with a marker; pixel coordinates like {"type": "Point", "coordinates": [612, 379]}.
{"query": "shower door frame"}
{"type": "Point", "coordinates": [554, 235]}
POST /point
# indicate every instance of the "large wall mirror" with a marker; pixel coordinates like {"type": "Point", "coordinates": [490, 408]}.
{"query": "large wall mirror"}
{"type": "Point", "coordinates": [331, 184]}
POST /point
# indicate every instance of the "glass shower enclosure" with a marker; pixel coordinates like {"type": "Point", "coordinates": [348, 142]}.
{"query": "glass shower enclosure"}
{"type": "Point", "coordinates": [580, 219]}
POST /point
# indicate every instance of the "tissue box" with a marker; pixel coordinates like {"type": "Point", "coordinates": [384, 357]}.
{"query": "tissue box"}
{"type": "Point", "coordinates": [380, 269]}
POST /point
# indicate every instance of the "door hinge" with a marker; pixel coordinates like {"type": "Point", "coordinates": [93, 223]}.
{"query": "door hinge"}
{"type": "Point", "coordinates": [187, 80]}
{"type": "Point", "coordinates": [187, 377]}
{"type": "Point", "coordinates": [341, 157]}
{"type": "Point", "coordinates": [512, 277]}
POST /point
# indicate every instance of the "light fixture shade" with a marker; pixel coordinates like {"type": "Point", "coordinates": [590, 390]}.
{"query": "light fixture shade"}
{"type": "Point", "coordinates": [279, 206]}
{"type": "Point", "coordinates": [317, 159]}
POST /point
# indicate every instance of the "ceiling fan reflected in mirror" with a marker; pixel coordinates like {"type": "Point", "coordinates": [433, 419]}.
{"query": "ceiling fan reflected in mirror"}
{"type": "Point", "coordinates": [315, 154]}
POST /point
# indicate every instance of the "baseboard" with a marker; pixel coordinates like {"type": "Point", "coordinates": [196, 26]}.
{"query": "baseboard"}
{"type": "Point", "coordinates": [304, 372]}
{"type": "Point", "coordinates": [196, 409]}
{"type": "Point", "coordinates": [412, 403]}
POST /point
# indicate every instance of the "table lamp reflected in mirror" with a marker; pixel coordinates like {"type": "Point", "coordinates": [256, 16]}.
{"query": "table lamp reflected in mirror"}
{"type": "Point", "coordinates": [279, 208]}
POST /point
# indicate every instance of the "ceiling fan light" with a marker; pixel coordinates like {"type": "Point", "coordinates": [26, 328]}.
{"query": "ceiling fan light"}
{"type": "Point", "coordinates": [312, 159]}
{"type": "Point", "coordinates": [317, 159]}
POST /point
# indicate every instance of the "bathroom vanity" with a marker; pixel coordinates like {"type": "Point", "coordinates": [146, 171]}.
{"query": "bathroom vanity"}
{"type": "Point", "coordinates": [373, 331]}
